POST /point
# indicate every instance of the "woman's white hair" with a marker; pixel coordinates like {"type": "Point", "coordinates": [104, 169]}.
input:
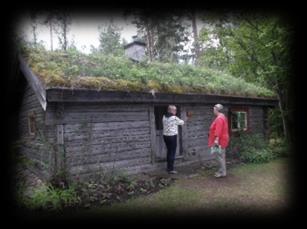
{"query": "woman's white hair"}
{"type": "Point", "coordinates": [171, 107]}
{"type": "Point", "coordinates": [219, 107]}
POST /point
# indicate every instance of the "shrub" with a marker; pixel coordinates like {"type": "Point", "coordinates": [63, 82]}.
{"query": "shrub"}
{"type": "Point", "coordinates": [279, 147]}
{"type": "Point", "coordinates": [254, 155]}
{"type": "Point", "coordinates": [49, 197]}
{"type": "Point", "coordinates": [251, 148]}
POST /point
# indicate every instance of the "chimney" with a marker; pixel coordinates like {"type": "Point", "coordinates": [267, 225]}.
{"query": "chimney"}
{"type": "Point", "coordinates": [136, 49]}
{"type": "Point", "coordinates": [135, 38]}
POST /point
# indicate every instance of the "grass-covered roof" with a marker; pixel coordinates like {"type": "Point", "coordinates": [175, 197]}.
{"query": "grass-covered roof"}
{"type": "Point", "coordinates": [95, 71]}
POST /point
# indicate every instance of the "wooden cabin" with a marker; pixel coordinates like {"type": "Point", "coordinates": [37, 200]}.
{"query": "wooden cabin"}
{"type": "Point", "coordinates": [83, 132]}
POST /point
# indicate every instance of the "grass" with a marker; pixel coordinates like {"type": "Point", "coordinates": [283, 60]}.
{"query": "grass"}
{"type": "Point", "coordinates": [248, 188]}
{"type": "Point", "coordinates": [95, 71]}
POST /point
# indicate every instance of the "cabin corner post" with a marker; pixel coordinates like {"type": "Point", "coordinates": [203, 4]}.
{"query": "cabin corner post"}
{"type": "Point", "coordinates": [152, 128]}
{"type": "Point", "coordinates": [266, 122]}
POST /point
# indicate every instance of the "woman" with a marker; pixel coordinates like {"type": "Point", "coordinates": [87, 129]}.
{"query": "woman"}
{"type": "Point", "coordinates": [170, 131]}
{"type": "Point", "coordinates": [219, 139]}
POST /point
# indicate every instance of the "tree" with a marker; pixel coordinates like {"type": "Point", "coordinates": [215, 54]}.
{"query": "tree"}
{"type": "Point", "coordinates": [164, 33]}
{"type": "Point", "coordinates": [63, 22]}
{"type": "Point", "coordinates": [33, 17]}
{"type": "Point", "coordinates": [49, 21]}
{"type": "Point", "coordinates": [145, 26]}
{"type": "Point", "coordinates": [109, 39]}
{"type": "Point", "coordinates": [93, 49]}
{"type": "Point", "coordinates": [124, 42]}
{"type": "Point", "coordinates": [215, 58]}
{"type": "Point", "coordinates": [195, 36]}
{"type": "Point", "coordinates": [72, 45]}
{"type": "Point", "coordinates": [256, 48]}
{"type": "Point", "coordinates": [214, 37]}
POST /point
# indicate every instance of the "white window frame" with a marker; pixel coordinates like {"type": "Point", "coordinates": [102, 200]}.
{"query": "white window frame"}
{"type": "Point", "coordinates": [238, 123]}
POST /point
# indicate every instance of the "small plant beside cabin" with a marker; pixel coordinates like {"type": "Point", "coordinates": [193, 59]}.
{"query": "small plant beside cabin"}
{"type": "Point", "coordinates": [93, 193]}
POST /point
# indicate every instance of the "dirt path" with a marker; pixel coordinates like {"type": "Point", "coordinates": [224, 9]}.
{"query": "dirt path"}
{"type": "Point", "coordinates": [249, 187]}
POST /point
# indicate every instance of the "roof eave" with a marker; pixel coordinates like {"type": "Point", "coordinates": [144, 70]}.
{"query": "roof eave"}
{"type": "Point", "coordinates": [90, 96]}
{"type": "Point", "coordinates": [34, 82]}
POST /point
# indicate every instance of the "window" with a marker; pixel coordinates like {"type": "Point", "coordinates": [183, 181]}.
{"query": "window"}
{"type": "Point", "coordinates": [31, 124]}
{"type": "Point", "coordinates": [239, 119]}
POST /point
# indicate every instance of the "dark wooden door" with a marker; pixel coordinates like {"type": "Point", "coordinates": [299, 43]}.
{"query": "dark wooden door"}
{"type": "Point", "coordinates": [161, 150]}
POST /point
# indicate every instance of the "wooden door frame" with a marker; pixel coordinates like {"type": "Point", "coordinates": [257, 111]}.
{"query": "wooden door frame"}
{"type": "Point", "coordinates": [153, 135]}
{"type": "Point", "coordinates": [152, 126]}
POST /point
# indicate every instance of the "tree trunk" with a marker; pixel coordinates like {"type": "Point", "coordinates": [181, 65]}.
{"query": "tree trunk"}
{"type": "Point", "coordinates": [51, 39]}
{"type": "Point", "coordinates": [149, 41]}
{"type": "Point", "coordinates": [282, 100]}
{"type": "Point", "coordinates": [281, 108]}
{"type": "Point", "coordinates": [34, 27]}
{"type": "Point", "coordinates": [34, 34]}
{"type": "Point", "coordinates": [65, 34]}
{"type": "Point", "coordinates": [195, 36]}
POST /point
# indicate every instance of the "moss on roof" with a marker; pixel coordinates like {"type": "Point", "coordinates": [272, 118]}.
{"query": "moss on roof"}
{"type": "Point", "coordinates": [95, 71]}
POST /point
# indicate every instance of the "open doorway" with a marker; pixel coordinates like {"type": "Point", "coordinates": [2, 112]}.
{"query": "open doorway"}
{"type": "Point", "coordinates": [161, 150]}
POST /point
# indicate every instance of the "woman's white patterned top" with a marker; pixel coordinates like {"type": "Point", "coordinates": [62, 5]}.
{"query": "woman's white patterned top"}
{"type": "Point", "coordinates": [170, 125]}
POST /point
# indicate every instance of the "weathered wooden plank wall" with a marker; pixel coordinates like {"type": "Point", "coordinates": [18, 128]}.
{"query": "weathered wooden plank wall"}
{"type": "Point", "coordinates": [197, 128]}
{"type": "Point", "coordinates": [38, 148]}
{"type": "Point", "coordinates": [256, 119]}
{"type": "Point", "coordinates": [103, 135]}
{"type": "Point", "coordinates": [195, 140]}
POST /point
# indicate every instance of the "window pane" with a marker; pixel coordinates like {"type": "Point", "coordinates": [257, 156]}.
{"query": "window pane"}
{"type": "Point", "coordinates": [234, 120]}
{"type": "Point", "coordinates": [238, 120]}
{"type": "Point", "coordinates": [242, 120]}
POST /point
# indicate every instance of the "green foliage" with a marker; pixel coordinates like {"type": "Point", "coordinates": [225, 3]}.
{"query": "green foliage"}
{"type": "Point", "coordinates": [116, 186]}
{"type": "Point", "coordinates": [164, 32]}
{"type": "Point", "coordinates": [50, 198]}
{"type": "Point", "coordinates": [275, 122]}
{"type": "Point", "coordinates": [109, 39]}
{"type": "Point", "coordinates": [279, 146]}
{"type": "Point", "coordinates": [106, 72]}
{"type": "Point", "coordinates": [252, 148]}
{"type": "Point", "coordinates": [255, 47]}
{"type": "Point", "coordinates": [254, 155]}
{"type": "Point", "coordinates": [63, 22]}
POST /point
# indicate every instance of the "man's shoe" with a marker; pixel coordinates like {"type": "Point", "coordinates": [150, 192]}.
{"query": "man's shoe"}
{"type": "Point", "coordinates": [173, 172]}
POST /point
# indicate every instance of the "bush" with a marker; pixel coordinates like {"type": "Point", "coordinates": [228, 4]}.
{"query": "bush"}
{"type": "Point", "coordinates": [49, 197]}
{"type": "Point", "coordinates": [254, 155]}
{"type": "Point", "coordinates": [251, 148]}
{"type": "Point", "coordinates": [279, 147]}
{"type": "Point", "coordinates": [109, 188]}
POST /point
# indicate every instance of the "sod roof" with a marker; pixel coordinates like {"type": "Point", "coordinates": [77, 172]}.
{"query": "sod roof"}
{"type": "Point", "coordinates": [108, 73]}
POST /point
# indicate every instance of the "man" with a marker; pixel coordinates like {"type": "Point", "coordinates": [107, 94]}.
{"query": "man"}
{"type": "Point", "coordinates": [170, 130]}
{"type": "Point", "coordinates": [219, 139]}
